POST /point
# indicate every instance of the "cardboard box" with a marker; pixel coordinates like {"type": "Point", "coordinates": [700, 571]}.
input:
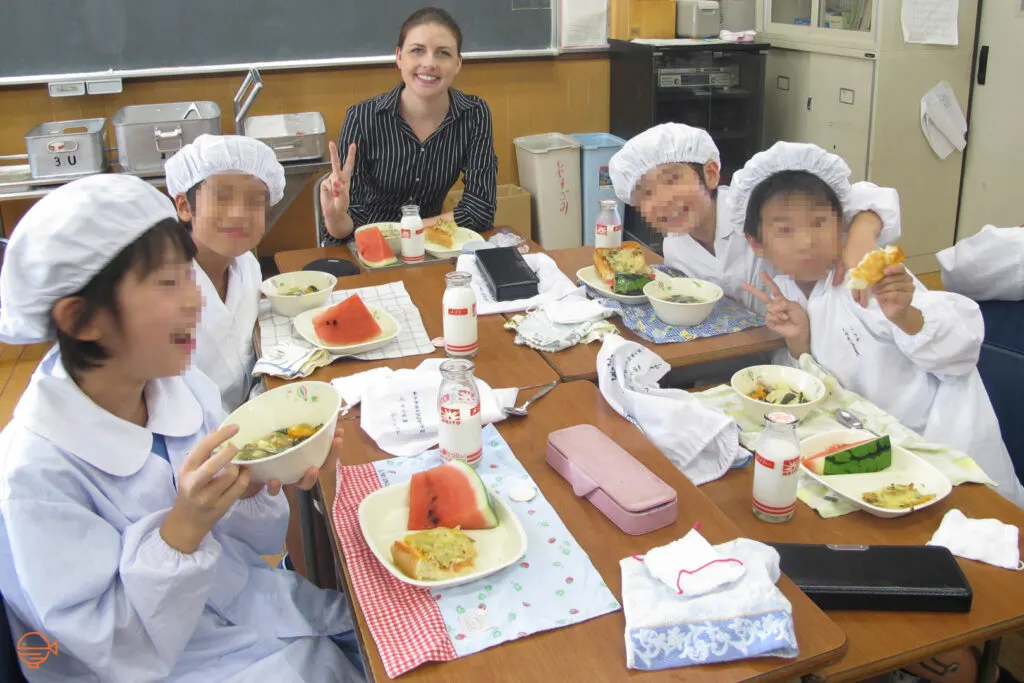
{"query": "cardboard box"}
{"type": "Point", "coordinates": [629, 19]}
{"type": "Point", "coordinates": [513, 209]}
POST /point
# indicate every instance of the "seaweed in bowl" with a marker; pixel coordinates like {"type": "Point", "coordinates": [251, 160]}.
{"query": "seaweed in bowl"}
{"type": "Point", "coordinates": [298, 291]}
{"type": "Point", "coordinates": [780, 394]}
{"type": "Point", "coordinates": [277, 441]}
{"type": "Point", "coordinates": [681, 299]}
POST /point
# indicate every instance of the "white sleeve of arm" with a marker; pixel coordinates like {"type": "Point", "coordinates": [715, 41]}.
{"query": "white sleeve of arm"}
{"type": "Point", "coordinates": [125, 605]}
{"type": "Point", "coordinates": [986, 267]}
{"type": "Point", "coordinates": [261, 522]}
{"type": "Point", "coordinates": [950, 341]}
{"type": "Point", "coordinates": [884, 201]}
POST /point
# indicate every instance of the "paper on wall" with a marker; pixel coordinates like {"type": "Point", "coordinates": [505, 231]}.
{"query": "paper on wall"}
{"type": "Point", "coordinates": [942, 120]}
{"type": "Point", "coordinates": [584, 23]}
{"type": "Point", "coordinates": [932, 22]}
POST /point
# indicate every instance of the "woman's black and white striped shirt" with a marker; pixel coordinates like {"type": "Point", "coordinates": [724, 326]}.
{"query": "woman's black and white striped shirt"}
{"type": "Point", "coordinates": [393, 168]}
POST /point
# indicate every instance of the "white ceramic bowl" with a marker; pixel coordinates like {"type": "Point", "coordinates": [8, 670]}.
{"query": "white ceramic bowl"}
{"type": "Point", "coordinates": [746, 380]}
{"type": "Point", "coordinates": [393, 229]}
{"type": "Point", "coordinates": [312, 403]}
{"type": "Point", "coordinates": [293, 305]}
{"type": "Point", "coordinates": [683, 315]}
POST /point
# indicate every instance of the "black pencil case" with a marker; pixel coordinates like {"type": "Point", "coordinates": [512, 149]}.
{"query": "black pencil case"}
{"type": "Point", "coordinates": [506, 274]}
{"type": "Point", "coordinates": [879, 577]}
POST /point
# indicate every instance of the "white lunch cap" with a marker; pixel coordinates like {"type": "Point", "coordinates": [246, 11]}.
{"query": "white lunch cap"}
{"type": "Point", "coordinates": [209, 155]}
{"type": "Point", "coordinates": [64, 240]}
{"type": "Point", "coordinates": [787, 156]}
{"type": "Point", "coordinates": [668, 143]}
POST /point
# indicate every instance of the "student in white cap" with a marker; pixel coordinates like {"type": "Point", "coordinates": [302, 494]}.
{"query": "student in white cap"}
{"type": "Point", "coordinates": [223, 185]}
{"type": "Point", "coordinates": [912, 352]}
{"type": "Point", "coordinates": [671, 173]}
{"type": "Point", "coordinates": [126, 537]}
{"type": "Point", "coordinates": [986, 267]}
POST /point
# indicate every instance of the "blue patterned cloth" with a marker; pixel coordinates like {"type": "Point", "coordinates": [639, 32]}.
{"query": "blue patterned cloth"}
{"type": "Point", "coordinates": [728, 317]}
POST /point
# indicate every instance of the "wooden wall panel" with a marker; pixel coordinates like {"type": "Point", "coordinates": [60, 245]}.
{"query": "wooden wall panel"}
{"type": "Point", "coordinates": [568, 95]}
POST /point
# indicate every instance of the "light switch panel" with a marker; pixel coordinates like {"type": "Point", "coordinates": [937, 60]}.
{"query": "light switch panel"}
{"type": "Point", "coordinates": [846, 95]}
{"type": "Point", "coordinates": [782, 82]}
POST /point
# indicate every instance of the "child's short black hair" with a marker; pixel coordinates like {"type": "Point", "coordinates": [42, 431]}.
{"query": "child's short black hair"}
{"type": "Point", "coordinates": [699, 169]}
{"type": "Point", "coordinates": [785, 184]}
{"type": "Point", "coordinates": [147, 253]}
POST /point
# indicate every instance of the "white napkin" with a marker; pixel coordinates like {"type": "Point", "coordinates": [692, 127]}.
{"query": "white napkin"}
{"type": "Point", "coordinates": [557, 325]}
{"type": "Point", "coordinates": [290, 361]}
{"type": "Point", "coordinates": [747, 618]}
{"type": "Point", "coordinates": [984, 540]}
{"type": "Point", "coordinates": [400, 411]}
{"type": "Point", "coordinates": [703, 442]}
{"type": "Point", "coordinates": [553, 285]}
{"type": "Point", "coordinates": [353, 386]}
{"type": "Point", "coordinates": [691, 567]}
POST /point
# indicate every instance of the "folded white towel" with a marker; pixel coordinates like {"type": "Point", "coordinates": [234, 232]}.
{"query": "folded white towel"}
{"type": "Point", "coordinates": [400, 411]}
{"type": "Point", "coordinates": [691, 567]}
{"type": "Point", "coordinates": [984, 540]}
{"type": "Point", "coordinates": [747, 618]}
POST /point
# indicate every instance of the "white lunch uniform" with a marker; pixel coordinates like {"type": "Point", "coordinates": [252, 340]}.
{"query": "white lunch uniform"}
{"type": "Point", "coordinates": [82, 561]}
{"type": "Point", "coordinates": [928, 381]}
{"type": "Point", "coordinates": [986, 267]}
{"type": "Point", "coordinates": [224, 345]}
{"type": "Point", "coordinates": [734, 261]}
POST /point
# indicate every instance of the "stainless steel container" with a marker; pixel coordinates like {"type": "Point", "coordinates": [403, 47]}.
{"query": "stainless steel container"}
{"type": "Point", "coordinates": [291, 136]}
{"type": "Point", "coordinates": [150, 134]}
{"type": "Point", "coordinates": [67, 149]}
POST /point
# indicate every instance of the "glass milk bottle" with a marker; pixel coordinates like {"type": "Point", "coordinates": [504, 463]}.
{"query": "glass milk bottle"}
{"type": "Point", "coordinates": [459, 316]}
{"type": "Point", "coordinates": [458, 404]}
{"type": "Point", "coordinates": [776, 469]}
{"type": "Point", "coordinates": [412, 234]}
{"type": "Point", "coordinates": [608, 232]}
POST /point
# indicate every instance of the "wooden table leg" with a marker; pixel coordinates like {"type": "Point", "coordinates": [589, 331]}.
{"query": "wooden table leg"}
{"type": "Point", "coordinates": [306, 512]}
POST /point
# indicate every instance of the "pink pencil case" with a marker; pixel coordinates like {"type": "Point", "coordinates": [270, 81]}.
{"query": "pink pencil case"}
{"type": "Point", "coordinates": [618, 485]}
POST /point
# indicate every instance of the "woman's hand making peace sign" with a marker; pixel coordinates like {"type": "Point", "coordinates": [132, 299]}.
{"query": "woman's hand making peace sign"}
{"type": "Point", "coordinates": [334, 190]}
{"type": "Point", "coordinates": [784, 317]}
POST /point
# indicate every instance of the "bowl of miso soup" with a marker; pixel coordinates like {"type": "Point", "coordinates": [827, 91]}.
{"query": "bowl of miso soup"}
{"type": "Point", "coordinates": [683, 301]}
{"type": "Point", "coordinates": [285, 431]}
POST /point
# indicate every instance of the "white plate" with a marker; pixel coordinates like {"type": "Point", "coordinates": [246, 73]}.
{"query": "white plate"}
{"type": "Point", "coordinates": [388, 325]}
{"type": "Point", "coordinates": [384, 519]}
{"type": "Point", "coordinates": [590, 278]}
{"type": "Point", "coordinates": [462, 236]}
{"type": "Point", "coordinates": [906, 468]}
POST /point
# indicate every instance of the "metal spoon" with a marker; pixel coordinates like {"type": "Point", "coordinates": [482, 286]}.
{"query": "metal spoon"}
{"type": "Point", "coordinates": [848, 419]}
{"type": "Point", "coordinates": [520, 411]}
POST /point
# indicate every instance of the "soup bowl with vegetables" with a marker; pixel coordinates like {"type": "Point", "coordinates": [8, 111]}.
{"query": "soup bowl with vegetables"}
{"type": "Point", "coordinates": [767, 389]}
{"type": "Point", "coordinates": [302, 290]}
{"type": "Point", "coordinates": [285, 431]}
{"type": "Point", "coordinates": [683, 301]}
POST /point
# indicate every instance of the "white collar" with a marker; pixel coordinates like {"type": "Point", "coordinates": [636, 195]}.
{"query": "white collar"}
{"type": "Point", "coordinates": [55, 408]}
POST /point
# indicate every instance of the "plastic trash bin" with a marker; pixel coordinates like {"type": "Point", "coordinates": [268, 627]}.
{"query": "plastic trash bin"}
{"type": "Point", "coordinates": [549, 169]}
{"type": "Point", "coordinates": [596, 151]}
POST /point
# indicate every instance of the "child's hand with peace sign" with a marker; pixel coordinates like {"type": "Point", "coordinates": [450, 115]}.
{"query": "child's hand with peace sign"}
{"type": "Point", "coordinates": [784, 317]}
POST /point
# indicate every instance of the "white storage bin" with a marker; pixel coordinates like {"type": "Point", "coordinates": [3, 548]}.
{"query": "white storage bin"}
{"type": "Point", "coordinates": [549, 169]}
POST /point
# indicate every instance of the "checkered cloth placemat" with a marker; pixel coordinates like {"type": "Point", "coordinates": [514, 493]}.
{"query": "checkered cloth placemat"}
{"type": "Point", "coordinates": [278, 331]}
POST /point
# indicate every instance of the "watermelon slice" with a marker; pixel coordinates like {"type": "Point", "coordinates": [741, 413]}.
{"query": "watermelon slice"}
{"type": "Point", "coordinates": [373, 248]}
{"type": "Point", "coordinates": [451, 495]}
{"type": "Point", "coordinates": [873, 455]}
{"type": "Point", "coordinates": [347, 323]}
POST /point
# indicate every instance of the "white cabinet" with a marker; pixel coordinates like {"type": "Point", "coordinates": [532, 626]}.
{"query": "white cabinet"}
{"type": "Point", "coordinates": [856, 91]}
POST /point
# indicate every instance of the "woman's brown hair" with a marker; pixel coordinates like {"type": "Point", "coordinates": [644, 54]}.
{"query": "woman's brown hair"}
{"type": "Point", "coordinates": [431, 15]}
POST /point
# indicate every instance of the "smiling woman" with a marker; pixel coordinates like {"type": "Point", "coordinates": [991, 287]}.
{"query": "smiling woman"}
{"type": "Point", "coordinates": [409, 145]}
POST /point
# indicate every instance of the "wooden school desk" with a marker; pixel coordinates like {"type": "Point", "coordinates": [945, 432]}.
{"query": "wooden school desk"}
{"type": "Point", "coordinates": [499, 362]}
{"type": "Point", "coordinates": [580, 361]}
{"type": "Point", "coordinates": [594, 650]}
{"type": "Point", "coordinates": [883, 641]}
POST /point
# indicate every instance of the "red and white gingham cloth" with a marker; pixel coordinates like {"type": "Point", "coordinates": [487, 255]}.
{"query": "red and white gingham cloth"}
{"type": "Point", "coordinates": [405, 621]}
